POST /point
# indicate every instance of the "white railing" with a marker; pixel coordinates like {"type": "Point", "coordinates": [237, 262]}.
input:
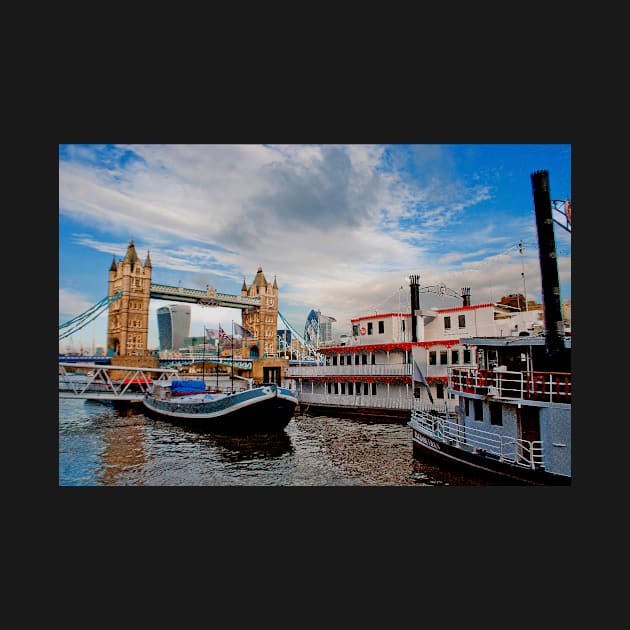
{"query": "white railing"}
{"type": "Point", "coordinates": [381, 369]}
{"type": "Point", "coordinates": [96, 380]}
{"type": "Point", "coordinates": [554, 387]}
{"type": "Point", "coordinates": [337, 400]}
{"type": "Point", "coordinates": [506, 448]}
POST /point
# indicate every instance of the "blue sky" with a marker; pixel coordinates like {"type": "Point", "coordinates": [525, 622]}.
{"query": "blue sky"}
{"type": "Point", "coordinates": [339, 226]}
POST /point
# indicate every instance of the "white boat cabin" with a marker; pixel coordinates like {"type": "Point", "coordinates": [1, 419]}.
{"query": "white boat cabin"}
{"type": "Point", "coordinates": [374, 365]}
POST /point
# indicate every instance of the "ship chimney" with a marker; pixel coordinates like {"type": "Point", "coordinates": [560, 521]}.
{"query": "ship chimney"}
{"type": "Point", "coordinates": [414, 283]}
{"type": "Point", "coordinates": [466, 296]}
{"type": "Point", "coordinates": [554, 325]}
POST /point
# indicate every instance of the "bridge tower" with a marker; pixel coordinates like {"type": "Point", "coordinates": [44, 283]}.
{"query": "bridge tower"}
{"type": "Point", "coordinates": [262, 322]}
{"type": "Point", "coordinates": [128, 318]}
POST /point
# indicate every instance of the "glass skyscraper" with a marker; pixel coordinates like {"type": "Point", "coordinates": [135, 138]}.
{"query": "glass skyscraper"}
{"type": "Point", "coordinates": [173, 325]}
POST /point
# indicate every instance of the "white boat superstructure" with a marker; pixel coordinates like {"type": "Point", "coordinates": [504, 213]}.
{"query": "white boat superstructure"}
{"type": "Point", "coordinates": [395, 362]}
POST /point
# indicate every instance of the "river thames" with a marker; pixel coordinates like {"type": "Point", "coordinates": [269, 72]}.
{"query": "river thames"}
{"type": "Point", "coordinates": [100, 445]}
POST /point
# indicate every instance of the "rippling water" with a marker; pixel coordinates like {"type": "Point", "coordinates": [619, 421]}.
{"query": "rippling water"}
{"type": "Point", "coordinates": [102, 446]}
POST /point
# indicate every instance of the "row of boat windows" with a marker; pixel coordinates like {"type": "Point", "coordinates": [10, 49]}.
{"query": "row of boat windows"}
{"type": "Point", "coordinates": [461, 323]}
{"type": "Point", "coordinates": [347, 359]}
{"type": "Point", "coordinates": [369, 329]}
{"type": "Point", "coordinates": [351, 388]}
{"type": "Point", "coordinates": [496, 411]}
{"type": "Point", "coordinates": [443, 355]}
{"type": "Point", "coordinates": [455, 357]}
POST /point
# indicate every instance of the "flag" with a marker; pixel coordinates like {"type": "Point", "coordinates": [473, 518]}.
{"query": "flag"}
{"type": "Point", "coordinates": [418, 377]}
{"type": "Point", "coordinates": [223, 336]}
{"type": "Point", "coordinates": [212, 333]}
{"type": "Point", "coordinates": [243, 332]}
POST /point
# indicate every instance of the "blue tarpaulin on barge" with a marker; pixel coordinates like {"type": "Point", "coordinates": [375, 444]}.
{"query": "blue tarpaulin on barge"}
{"type": "Point", "coordinates": [187, 387]}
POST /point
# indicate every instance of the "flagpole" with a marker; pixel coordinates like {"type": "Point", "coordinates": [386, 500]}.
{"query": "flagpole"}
{"type": "Point", "coordinates": [203, 369]}
{"type": "Point", "coordinates": [216, 365]}
{"type": "Point", "coordinates": [232, 355]}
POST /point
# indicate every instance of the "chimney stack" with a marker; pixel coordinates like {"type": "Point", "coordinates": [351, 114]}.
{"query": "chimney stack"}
{"type": "Point", "coordinates": [554, 325]}
{"type": "Point", "coordinates": [414, 283]}
{"type": "Point", "coordinates": [466, 296]}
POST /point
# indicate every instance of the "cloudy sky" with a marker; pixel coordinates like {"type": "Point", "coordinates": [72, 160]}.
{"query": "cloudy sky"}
{"type": "Point", "coordinates": [340, 226]}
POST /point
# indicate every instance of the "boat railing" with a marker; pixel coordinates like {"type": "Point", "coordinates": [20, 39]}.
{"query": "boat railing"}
{"type": "Point", "coordinates": [353, 400]}
{"type": "Point", "coordinates": [446, 428]}
{"type": "Point", "coordinates": [374, 369]}
{"type": "Point", "coordinates": [551, 387]}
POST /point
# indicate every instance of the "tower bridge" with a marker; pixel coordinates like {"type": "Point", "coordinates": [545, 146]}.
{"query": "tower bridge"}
{"type": "Point", "coordinates": [130, 289]}
{"type": "Point", "coordinates": [128, 316]}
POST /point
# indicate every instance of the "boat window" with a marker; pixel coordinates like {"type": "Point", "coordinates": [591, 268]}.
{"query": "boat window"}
{"type": "Point", "coordinates": [443, 357]}
{"type": "Point", "coordinates": [336, 388]}
{"type": "Point", "coordinates": [432, 357]}
{"type": "Point", "coordinates": [355, 330]}
{"type": "Point", "coordinates": [329, 387]}
{"type": "Point", "coordinates": [364, 360]}
{"type": "Point", "coordinates": [467, 356]}
{"type": "Point", "coordinates": [370, 327]}
{"type": "Point", "coordinates": [466, 407]}
{"type": "Point", "coordinates": [365, 389]}
{"type": "Point", "coordinates": [373, 389]}
{"type": "Point", "coordinates": [341, 360]}
{"type": "Point", "coordinates": [381, 327]}
{"type": "Point", "coordinates": [454, 357]}
{"type": "Point", "coordinates": [334, 359]}
{"type": "Point", "coordinates": [439, 390]}
{"type": "Point", "coordinates": [350, 388]}
{"type": "Point", "coordinates": [496, 415]}
{"type": "Point", "coordinates": [343, 388]}
{"type": "Point", "coordinates": [478, 407]}
{"type": "Point", "coordinates": [356, 359]}
{"type": "Point", "coordinates": [373, 361]}
{"type": "Point", "coordinates": [462, 321]}
{"type": "Point", "coordinates": [447, 322]}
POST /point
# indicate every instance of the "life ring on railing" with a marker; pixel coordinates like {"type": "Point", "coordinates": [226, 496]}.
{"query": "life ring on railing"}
{"type": "Point", "coordinates": [363, 331]}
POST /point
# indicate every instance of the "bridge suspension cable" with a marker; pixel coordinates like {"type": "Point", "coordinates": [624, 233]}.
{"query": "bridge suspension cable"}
{"type": "Point", "coordinates": [76, 323]}
{"type": "Point", "coordinates": [306, 349]}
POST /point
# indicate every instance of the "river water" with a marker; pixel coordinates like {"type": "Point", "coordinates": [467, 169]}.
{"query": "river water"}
{"type": "Point", "coordinates": [100, 445]}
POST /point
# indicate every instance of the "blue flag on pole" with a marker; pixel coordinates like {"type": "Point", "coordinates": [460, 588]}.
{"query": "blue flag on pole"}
{"type": "Point", "coordinates": [243, 332]}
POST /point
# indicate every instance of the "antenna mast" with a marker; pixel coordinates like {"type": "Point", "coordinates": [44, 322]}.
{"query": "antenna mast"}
{"type": "Point", "coordinates": [520, 249]}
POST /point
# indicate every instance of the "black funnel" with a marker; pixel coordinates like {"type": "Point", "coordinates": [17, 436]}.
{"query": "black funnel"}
{"type": "Point", "coordinates": [414, 283]}
{"type": "Point", "coordinates": [554, 325]}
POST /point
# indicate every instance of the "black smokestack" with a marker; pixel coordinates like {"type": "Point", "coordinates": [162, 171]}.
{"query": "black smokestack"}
{"type": "Point", "coordinates": [466, 296]}
{"type": "Point", "coordinates": [554, 326]}
{"type": "Point", "coordinates": [414, 283]}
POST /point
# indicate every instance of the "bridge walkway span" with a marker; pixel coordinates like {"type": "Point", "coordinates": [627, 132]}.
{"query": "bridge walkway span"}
{"type": "Point", "coordinates": [95, 382]}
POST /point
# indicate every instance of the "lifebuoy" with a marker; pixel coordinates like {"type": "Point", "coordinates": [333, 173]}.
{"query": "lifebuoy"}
{"type": "Point", "coordinates": [363, 331]}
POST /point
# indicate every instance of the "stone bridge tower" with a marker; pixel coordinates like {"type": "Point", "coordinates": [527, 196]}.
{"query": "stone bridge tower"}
{"type": "Point", "coordinates": [261, 322]}
{"type": "Point", "coordinates": [128, 319]}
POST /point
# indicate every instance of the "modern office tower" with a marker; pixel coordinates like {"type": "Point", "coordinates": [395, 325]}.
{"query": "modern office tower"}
{"type": "Point", "coordinates": [318, 328]}
{"type": "Point", "coordinates": [173, 325]}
